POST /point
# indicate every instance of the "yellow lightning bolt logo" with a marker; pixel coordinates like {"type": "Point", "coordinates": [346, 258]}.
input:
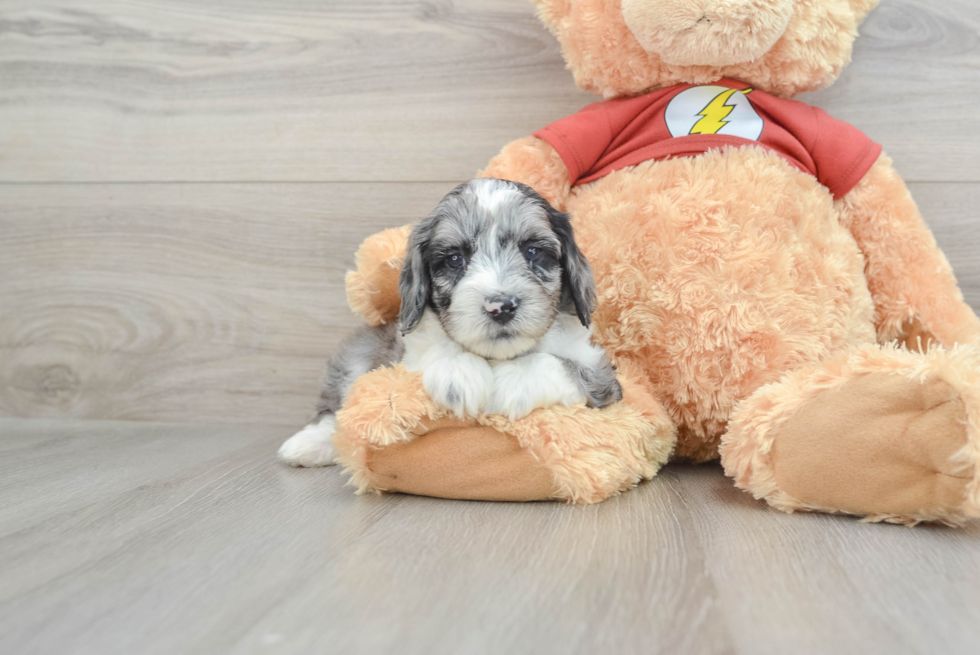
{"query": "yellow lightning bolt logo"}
{"type": "Point", "coordinates": [715, 113]}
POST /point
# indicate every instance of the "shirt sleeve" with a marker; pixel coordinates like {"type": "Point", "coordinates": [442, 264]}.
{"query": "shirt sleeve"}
{"type": "Point", "coordinates": [841, 153]}
{"type": "Point", "coordinates": [580, 139]}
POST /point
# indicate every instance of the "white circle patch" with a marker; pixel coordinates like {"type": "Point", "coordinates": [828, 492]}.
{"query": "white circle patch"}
{"type": "Point", "coordinates": [713, 110]}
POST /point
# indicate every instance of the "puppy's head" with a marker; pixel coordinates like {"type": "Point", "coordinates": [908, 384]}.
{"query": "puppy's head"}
{"type": "Point", "coordinates": [496, 263]}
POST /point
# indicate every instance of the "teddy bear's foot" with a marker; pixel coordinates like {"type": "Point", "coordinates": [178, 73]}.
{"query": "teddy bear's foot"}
{"type": "Point", "coordinates": [882, 433]}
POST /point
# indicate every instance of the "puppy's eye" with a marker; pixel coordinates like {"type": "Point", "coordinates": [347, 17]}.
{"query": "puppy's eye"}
{"type": "Point", "coordinates": [533, 254]}
{"type": "Point", "coordinates": [455, 261]}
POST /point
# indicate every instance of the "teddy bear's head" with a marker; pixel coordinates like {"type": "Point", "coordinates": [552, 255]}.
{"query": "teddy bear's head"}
{"type": "Point", "coordinates": [626, 47]}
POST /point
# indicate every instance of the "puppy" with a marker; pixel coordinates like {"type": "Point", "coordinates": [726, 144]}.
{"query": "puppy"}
{"type": "Point", "coordinates": [496, 300]}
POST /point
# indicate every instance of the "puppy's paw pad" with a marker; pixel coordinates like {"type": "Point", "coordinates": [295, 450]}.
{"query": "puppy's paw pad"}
{"type": "Point", "coordinates": [310, 447]}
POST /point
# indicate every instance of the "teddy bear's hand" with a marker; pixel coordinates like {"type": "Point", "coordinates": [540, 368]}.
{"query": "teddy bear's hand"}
{"type": "Point", "coordinates": [372, 289]}
{"type": "Point", "coordinates": [460, 382]}
{"type": "Point", "coordinates": [526, 383]}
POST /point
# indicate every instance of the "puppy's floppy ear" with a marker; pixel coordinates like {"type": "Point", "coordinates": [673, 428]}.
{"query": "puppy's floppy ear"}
{"type": "Point", "coordinates": [577, 283]}
{"type": "Point", "coordinates": [414, 285]}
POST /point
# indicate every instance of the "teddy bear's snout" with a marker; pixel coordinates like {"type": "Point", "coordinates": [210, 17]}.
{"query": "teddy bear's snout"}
{"type": "Point", "coordinates": [707, 32]}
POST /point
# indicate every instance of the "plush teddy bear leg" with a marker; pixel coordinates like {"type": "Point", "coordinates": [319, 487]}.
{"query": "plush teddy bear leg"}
{"type": "Point", "coordinates": [882, 432]}
{"type": "Point", "coordinates": [392, 437]}
{"type": "Point", "coordinates": [461, 460]}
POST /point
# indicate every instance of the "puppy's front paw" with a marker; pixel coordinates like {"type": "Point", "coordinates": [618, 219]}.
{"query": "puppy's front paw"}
{"type": "Point", "coordinates": [524, 384]}
{"type": "Point", "coordinates": [311, 446]}
{"type": "Point", "coordinates": [512, 399]}
{"type": "Point", "coordinates": [461, 383]}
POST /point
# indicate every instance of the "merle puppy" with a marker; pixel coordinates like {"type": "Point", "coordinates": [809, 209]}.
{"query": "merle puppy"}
{"type": "Point", "coordinates": [496, 300]}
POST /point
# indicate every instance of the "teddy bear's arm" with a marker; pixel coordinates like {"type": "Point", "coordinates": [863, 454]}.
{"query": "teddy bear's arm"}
{"type": "Point", "coordinates": [914, 290]}
{"type": "Point", "coordinates": [532, 161]}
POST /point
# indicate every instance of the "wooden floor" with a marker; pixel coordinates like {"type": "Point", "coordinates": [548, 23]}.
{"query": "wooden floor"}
{"type": "Point", "coordinates": [182, 186]}
{"type": "Point", "coordinates": [147, 538]}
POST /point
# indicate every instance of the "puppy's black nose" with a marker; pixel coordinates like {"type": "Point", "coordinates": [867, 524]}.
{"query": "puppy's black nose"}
{"type": "Point", "coordinates": [501, 310]}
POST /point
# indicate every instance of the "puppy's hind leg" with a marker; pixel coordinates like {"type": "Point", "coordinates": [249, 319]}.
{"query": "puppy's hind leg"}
{"type": "Point", "coordinates": [363, 351]}
{"type": "Point", "coordinates": [311, 446]}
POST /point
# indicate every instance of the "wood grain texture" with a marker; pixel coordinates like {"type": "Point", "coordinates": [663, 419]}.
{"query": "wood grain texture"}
{"type": "Point", "coordinates": [271, 91]}
{"type": "Point", "coordinates": [147, 538]}
{"type": "Point", "coordinates": [201, 302]}
{"type": "Point", "coordinates": [385, 90]}
{"type": "Point", "coordinates": [953, 213]}
{"type": "Point", "coordinates": [181, 302]}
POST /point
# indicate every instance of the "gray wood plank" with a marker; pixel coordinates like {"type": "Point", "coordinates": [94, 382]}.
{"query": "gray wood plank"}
{"type": "Point", "coordinates": [952, 212]}
{"type": "Point", "coordinates": [272, 91]}
{"type": "Point", "coordinates": [383, 90]}
{"type": "Point", "coordinates": [181, 302]}
{"type": "Point", "coordinates": [813, 581]}
{"type": "Point", "coordinates": [209, 546]}
{"type": "Point", "coordinates": [200, 302]}
{"type": "Point", "coordinates": [914, 77]}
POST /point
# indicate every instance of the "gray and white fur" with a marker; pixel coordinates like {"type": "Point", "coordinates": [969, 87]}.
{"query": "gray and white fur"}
{"type": "Point", "coordinates": [496, 300]}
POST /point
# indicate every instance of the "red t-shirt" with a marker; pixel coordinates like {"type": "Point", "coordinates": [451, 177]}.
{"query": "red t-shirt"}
{"type": "Point", "coordinates": [688, 120]}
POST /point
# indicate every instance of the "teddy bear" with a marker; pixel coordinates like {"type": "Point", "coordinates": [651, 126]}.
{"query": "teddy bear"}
{"type": "Point", "coordinates": [767, 287]}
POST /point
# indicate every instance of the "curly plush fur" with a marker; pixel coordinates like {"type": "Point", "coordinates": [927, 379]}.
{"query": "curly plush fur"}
{"type": "Point", "coordinates": [586, 455]}
{"type": "Point", "coordinates": [372, 289]}
{"type": "Point", "coordinates": [748, 448]}
{"type": "Point", "coordinates": [736, 296]}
